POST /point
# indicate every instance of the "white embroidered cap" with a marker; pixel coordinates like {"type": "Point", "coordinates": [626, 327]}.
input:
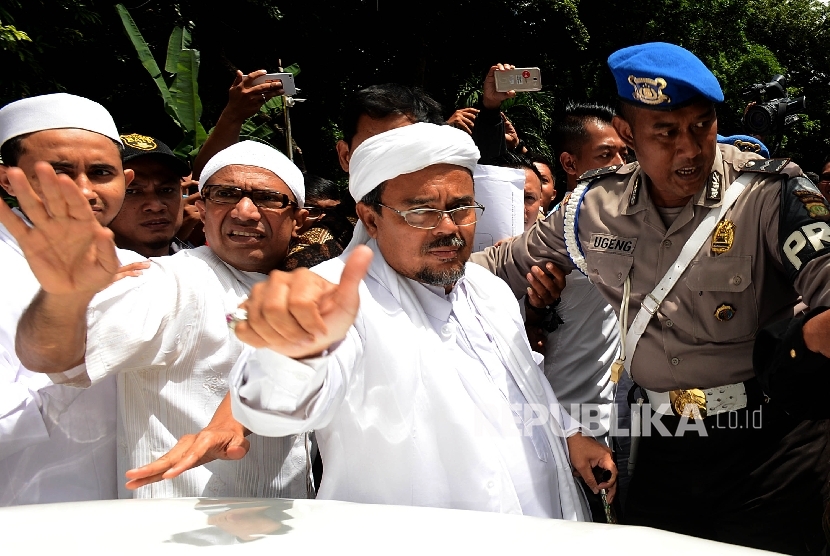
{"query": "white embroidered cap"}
{"type": "Point", "coordinates": [252, 153]}
{"type": "Point", "coordinates": [55, 111]}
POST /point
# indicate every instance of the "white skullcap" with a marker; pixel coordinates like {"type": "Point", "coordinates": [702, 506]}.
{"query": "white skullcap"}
{"type": "Point", "coordinates": [253, 153]}
{"type": "Point", "coordinates": [55, 111]}
{"type": "Point", "coordinates": [405, 150]}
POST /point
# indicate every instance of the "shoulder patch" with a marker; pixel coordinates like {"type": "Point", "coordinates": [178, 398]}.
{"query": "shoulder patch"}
{"type": "Point", "coordinates": [803, 231]}
{"type": "Point", "coordinates": [597, 172]}
{"type": "Point", "coordinates": [766, 165]}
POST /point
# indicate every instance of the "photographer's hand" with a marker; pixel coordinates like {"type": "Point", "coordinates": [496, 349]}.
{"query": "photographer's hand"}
{"type": "Point", "coordinates": [244, 100]}
{"type": "Point", "coordinates": [464, 119]}
{"type": "Point", "coordinates": [491, 98]}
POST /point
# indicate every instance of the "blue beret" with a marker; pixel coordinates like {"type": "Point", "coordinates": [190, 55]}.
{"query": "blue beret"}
{"type": "Point", "coordinates": [745, 143]}
{"type": "Point", "coordinates": [662, 76]}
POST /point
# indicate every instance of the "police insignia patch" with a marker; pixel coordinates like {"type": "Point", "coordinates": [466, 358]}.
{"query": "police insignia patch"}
{"type": "Point", "coordinates": [803, 225]}
{"type": "Point", "coordinates": [725, 312]}
{"type": "Point", "coordinates": [747, 146]}
{"type": "Point", "coordinates": [767, 166]}
{"type": "Point", "coordinates": [723, 237]}
{"type": "Point", "coordinates": [635, 191]}
{"type": "Point", "coordinates": [596, 172]}
{"type": "Point", "coordinates": [140, 142]}
{"type": "Point", "coordinates": [713, 192]}
{"type": "Point", "coordinates": [649, 91]}
{"type": "Point", "coordinates": [815, 204]}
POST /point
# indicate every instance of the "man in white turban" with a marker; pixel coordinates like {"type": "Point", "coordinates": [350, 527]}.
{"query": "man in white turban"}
{"type": "Point", "coordinates": [163, 334]}
{"type": "Point", "coordinates": [57, 443]}
{"type": "Point", "coordinates": [411, 365]}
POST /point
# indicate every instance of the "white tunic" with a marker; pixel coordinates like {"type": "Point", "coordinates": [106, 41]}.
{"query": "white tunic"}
{"type": "Point", "coordinates": [57, 443]}
{"type": "Point", "coordinates": [165, 337]}
{"type": "Point", "coordinates": [401, 419]}
{"type": "Point", "coordinates": [579, 354]}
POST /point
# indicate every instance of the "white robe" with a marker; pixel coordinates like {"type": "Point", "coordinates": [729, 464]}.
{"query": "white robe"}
{"type": "Point", "coordinates": [411, 411]}
{"type": "Point", "coordinates": [165, 338]}
{"type": "Point", "coordinates": [57, 443]}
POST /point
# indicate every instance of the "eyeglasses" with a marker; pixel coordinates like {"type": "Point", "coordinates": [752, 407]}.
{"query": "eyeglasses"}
{"type": "Point", "coordinates": [427, 219]}
{"type": "Point", "coordinates": [314, 212]}
{"type": "Point", "coordinates": [824, 177]}
{"type": "Point", "coordinates": [262, 198]}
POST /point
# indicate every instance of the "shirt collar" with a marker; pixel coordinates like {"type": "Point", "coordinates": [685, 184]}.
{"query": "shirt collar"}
{"type": "Point", "coordinates": [433, 300]}
{"type": "Point", "coordinates": [711, 195]}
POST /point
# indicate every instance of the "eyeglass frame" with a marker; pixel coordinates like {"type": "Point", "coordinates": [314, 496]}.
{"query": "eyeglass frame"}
{"type": "Point", "coordinates": [249, 194]}
{"type": "Point", "coordinates": [403, 213]}
{"type": "Point", "coordinates": [821, 177]}
{"type": "Point", "coordinates": [314, 218]}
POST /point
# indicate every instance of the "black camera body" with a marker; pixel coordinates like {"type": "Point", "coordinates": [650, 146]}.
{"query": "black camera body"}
{"type": "Point", "coordinates": [772, 110]}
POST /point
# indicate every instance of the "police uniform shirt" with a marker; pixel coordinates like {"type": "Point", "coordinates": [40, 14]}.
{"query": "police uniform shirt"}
{"type": "Point", "coordinates": [702, 335]}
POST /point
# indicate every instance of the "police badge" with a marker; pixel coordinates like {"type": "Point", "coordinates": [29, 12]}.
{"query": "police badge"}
{"type": "Point", "coordinates": [649, 91]}
{"type": "Point", "coordinates": [723, 237]}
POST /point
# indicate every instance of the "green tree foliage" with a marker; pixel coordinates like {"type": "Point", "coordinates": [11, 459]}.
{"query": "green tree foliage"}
{"type": "Point", "coordinates": [343, 45]}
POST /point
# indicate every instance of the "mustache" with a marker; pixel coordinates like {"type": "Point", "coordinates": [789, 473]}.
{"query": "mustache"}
{"type": "Point", "coordinates": [445, 241]}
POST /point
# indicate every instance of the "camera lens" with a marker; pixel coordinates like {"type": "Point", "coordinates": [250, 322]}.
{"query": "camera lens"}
{"type": "Point", "coordinates": [759, 119]}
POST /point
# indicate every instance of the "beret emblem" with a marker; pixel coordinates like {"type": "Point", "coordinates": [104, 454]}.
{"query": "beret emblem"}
{"type": "Point", "coordinates": [649, 91]}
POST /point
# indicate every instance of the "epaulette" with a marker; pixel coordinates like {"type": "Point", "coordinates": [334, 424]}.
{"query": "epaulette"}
{"type": "Point", "coordinates": [596, 172]}
{"type": "Point", "coordinates": [766, 165]}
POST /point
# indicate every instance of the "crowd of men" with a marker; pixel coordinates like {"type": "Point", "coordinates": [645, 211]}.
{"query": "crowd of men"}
{"type": "Point", "coordinates": [238, 328]}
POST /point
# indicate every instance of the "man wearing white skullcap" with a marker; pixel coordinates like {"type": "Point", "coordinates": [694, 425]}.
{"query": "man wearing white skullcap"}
{"type": "Point", "coordinates": [164, 334]}
{"type": "Point", "coordinates": [410, 364]}
{"type": "Point", "coordinates": [57, 443]}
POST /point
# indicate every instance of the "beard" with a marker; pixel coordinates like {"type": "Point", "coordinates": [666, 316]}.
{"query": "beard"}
{"type": "Point", "coordinates": [446, 277]}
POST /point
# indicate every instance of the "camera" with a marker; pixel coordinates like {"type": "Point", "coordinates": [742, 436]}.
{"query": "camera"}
{"type": "Point", "coordinates": [772, 110]}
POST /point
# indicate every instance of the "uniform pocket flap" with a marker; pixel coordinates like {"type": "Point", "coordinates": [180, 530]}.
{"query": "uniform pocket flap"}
{"type": "Point", "coordinates": [720, 274]}
{"type": "Point", "coordinates": [608, 268]}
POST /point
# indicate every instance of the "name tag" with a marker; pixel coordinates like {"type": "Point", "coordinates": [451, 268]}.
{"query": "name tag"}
{"type": "Point", "coordinates": [613, 244]}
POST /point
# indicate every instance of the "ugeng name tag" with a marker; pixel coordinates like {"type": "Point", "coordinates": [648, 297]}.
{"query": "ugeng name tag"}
{"type": "Point", "coordinates": [612, 244]}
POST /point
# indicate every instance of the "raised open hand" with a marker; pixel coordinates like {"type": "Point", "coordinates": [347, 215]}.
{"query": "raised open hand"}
{"type": "Point", "coordinates": [68, 251]}
{"type": "Point", "coordinates": [245, 99]}
{"type": "Point", "coordinates": [300, 314]}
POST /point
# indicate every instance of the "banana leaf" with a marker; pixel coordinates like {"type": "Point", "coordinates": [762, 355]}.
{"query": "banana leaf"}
{"type": "Point", "coordinates": [189, 146]}
{"type": "Point", "coordinates": [179, 40]}
{"type": "Point", "coordinates": [146, 57]}
{"type": "Point", "coordinates": [293, 69]}
{"type": "Point", "coordinates": [184, 91]}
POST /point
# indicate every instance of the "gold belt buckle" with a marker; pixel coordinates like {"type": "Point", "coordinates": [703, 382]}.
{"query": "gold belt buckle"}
{"type": "Point", "coordinates": [688, 403]}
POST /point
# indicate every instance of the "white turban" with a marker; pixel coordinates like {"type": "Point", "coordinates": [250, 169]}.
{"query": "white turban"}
{"type": "Point", "coordinates": [252, 153]}
{"type": "Point", "coordinates": [55, 111]}
{"type": "Point", "coordinates": [405, 150]}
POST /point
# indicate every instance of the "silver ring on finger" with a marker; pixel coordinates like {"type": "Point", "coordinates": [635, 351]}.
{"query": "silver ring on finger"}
{"type": "Point", "coordinates": [232, 319]}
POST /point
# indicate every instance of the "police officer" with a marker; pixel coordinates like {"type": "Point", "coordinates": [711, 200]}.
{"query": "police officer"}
{"type": "Point", "coordinates": [706, 245]}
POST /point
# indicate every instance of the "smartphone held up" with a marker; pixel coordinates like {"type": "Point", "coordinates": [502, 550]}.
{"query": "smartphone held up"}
{"type": "Point", "coordinates": [518, 79]}
{"type": "Point", "coordinates": [287, 80]}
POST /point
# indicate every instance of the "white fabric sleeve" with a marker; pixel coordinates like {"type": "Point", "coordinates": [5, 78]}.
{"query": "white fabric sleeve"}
{"type": "Point", "coordinates": [274, 395]}
{"type": "Point", "coordinates": [145, 321]}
